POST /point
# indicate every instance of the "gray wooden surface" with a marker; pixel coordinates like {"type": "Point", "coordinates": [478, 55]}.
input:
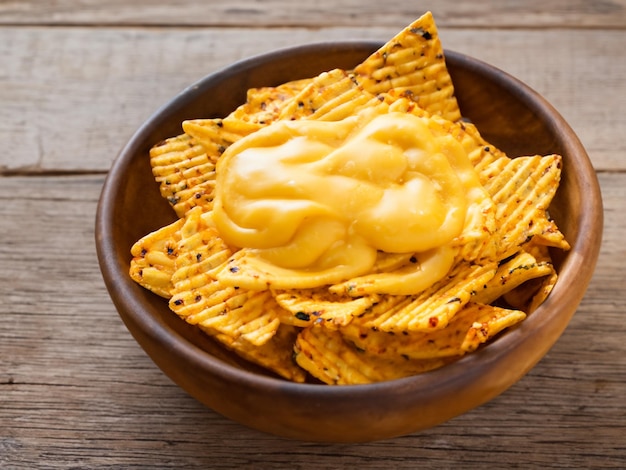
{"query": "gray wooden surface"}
{"type": "Point", "coordinates": [78, 77]}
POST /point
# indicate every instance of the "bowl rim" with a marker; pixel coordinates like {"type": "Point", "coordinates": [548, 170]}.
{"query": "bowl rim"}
{"type": "Point", "coordinates": [447, 378]}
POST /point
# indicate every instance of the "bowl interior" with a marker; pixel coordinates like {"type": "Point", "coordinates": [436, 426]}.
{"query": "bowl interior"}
{"type": "Point", "coordinates": [508, 114]}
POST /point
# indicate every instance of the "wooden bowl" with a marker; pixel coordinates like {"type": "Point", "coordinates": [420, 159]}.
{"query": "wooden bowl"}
{"type": "Point", "coordinates": [508, 114]}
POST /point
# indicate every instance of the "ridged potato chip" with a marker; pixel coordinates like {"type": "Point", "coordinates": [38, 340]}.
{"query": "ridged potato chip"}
{"type": "Point", "coordinates": [311, 306]}
{"type": "Point", "coordinates": [522, 191]}
{"type": "Point", "coordinates": [437, 305]}
{"type": "Point", "coordinates": [512, 273]}
{"type": "Point", "coordinates": [413, 64]}
{"type": "Point", "coordinates": [184, 171]}
{"type": "Point", "coordinates": [459, 337]}
{"type": "Point", "coordinates": [275, 355]}
{"type": "Point", "coordinates": [530, 294]}
{"type": "Point", "coordinates": [326, 355]}
{"type": "Point", "coordinates": [199, 298]}
{"type": "Point", "coordinates": [264, 104]}
{"type": "Point", "coordinates": [154, 259]}
{"type": "Point", "coordinates": [327, 93]}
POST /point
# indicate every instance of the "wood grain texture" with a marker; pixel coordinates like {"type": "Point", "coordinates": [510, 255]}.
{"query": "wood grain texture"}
{"type": "Point", "coordinates": [601, 14]}
{"type": "Point", "coordinates": [77, 391]}
{"type": "Point", "coordinates": [71, 97]}
{"type": "Point", "coordinates": [78, 77]}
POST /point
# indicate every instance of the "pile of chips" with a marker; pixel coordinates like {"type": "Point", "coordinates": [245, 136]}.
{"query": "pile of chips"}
{"type": "Point", "coordinates": [350, 333]}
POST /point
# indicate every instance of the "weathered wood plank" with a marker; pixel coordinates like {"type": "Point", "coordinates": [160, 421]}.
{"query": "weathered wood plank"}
{"type": "Point", "coordinates": [530, 14]}
{"type": "Point", "coordinates": [71, 97]}
{"type": "Point", "coordinates": [77, 391]}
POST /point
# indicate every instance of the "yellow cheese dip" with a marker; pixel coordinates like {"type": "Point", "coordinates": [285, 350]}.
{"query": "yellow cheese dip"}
{"type": "Point", "coordinates": [313, 202]}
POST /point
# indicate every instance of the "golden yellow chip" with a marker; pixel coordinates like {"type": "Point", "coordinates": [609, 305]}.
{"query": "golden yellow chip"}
{"type": "Point", "coordinates": [253, 316]}
{"type": "Point", "coordinates": [216, 135]}
{"type": "Point", "coordinates": [488, 160]}
{"type": "Point", "coordinates": [332, 95]}
{"type": "Point", "coordinates": [201, 252]}
{"type": "Point", "coordinates": [154, 259]}
{"type": "Point", "coordinates": [319, 305]}
{"type": "Point", "coordinates": [522, 191]}
{"type": "Point", "coordinates": [354, 356]}
{"type": "Point", "coordinates": [511, 273]}
{"type": "Point", "coordinates": [437, 305]}
{"type": "Point", "coordinates": [263, 105]}
{"type": "Point", "coordinates": [413, 63]}
{"type": "Point", "coordinates": [473, 325]}
{"type": "Point", "coordinates": [328, 357]}
{"type": "Point", "coordinates": [199, 298]}
{"type": "Point", "coordinates": [275, 355]}
{"type": "Point", "coordinates": [180, 164]}
{"type": "Point", "coordinates": [541, 294]}
{"type": "Point", "coordinates": [529, 295]}
{"type": "Point", "coordinates": [491, 321]}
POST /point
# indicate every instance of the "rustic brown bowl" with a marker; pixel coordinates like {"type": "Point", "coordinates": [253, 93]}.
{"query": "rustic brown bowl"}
{"type": "Point", "coordinates": [509, 115]}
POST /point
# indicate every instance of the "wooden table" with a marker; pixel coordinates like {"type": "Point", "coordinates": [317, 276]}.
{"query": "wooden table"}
{"type": "Point", "coordinates": [78, 77]}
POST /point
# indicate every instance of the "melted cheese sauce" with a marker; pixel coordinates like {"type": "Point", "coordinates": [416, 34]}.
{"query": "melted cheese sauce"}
{"type": "Point", "coordinates": [315, 201]}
